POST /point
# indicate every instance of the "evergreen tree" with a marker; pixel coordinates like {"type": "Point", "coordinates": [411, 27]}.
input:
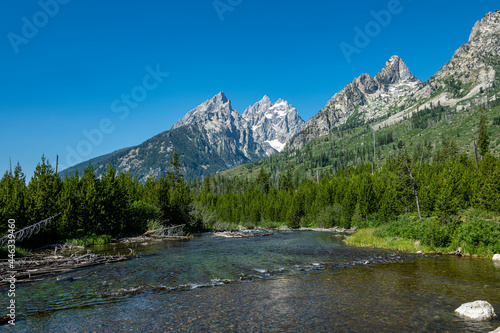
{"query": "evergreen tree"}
{"type": "Point", "coordinates": [286, 181]}
{"type": "Point", "coordinates": [13, 199]}
{"type": "Point", "coordinates": [295, 210]}
{"type": "Point", "coordinates": [174, 174]}
{"type": "Point", "coordinates": [91, 212]}
{"type": "Point", "coordinates": [389, 208]}
{"type": "Point", "coordinates": [174, 195]}
{"type": "Point", "coordinates": [43, 193]}
{"type": "Point", "coordinates": [114, 201]}
{"type": "Point", "coordinates": [70, 203]}
{"type": "Point", "coordinates": [207, 187]}
{"type": "Point", "coordinates": [483, 139]}
{"type": "Point", "coordinates": [262, 180]}
{"type": "Point", "coordinates": [349, 205]}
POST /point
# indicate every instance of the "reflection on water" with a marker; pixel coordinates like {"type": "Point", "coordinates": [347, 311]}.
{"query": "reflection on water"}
{"type": "Point", "coordinates": [286, 282]}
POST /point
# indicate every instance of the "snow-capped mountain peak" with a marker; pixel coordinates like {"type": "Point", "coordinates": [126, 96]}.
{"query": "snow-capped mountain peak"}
{"type": "Point", "coordinates": [274, 123]}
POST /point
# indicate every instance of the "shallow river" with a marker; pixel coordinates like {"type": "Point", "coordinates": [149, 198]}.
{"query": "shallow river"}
{"type": "Point", "coordinates": [299, 281]}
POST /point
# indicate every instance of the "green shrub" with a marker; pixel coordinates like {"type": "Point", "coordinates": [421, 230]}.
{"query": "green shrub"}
{"type": "Point", "coordinates": [435, 233]}
{"type": "Point", "coordinates": [142, 212]}
{"type": "Point", "coordinates": [480, 234]}
{"type": "Point", "coordinates": [405, 226]}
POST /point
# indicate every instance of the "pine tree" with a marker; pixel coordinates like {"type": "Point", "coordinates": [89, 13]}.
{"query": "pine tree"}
{"type": "Point", "coordinates": [174, 195]}
{"type": "Point", "coordinates": [483, 139]}
{"type": "Point", "coordinates": [90, 195]}
{"type": "Point", "coordinates": [114, 200]}
{"type": "Point", "coordinates": [174, 174]}
{"type": "Point", "coordinates": [262, 180]}
{"type": "Point", "coordinates": [43, 194]}
{"type": "Point", "coordinates": [13, 199]}
{"type": "Point", "coordinates": [207, 188]}
{"type": "Point", "coordinates": [70, 204]}
{"type": "Point", "coordinates": [389, 208]}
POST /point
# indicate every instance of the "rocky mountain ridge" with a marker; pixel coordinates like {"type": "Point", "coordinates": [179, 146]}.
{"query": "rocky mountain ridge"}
{"type": "Point", "coordinates": [210, 138]}
{"type": "Point", "coordinates": [469, 78]}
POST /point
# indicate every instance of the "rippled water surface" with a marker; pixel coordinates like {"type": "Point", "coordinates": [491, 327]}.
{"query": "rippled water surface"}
{"type": "Point", "coordinates": [291, 281]}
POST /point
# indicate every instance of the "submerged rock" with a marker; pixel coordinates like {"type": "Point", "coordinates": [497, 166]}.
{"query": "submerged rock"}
{"type": "Point", "coordinates": [476, 311]}
{"type": "Point", "coordinates": [496, 331]}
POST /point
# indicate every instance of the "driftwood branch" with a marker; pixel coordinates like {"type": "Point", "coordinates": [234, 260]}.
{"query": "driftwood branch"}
{"type": "Point", "coordinates": [29, 230]}
{"type": "Point", "coordinates": [176, 230]}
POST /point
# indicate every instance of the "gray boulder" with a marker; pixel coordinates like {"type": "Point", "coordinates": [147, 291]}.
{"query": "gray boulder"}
{"type": "Point", "coordinates": [476, 311]}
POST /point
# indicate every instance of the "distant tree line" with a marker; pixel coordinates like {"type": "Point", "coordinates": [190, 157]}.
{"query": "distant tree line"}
{"type": "Point", "coordinates": [114, 204]}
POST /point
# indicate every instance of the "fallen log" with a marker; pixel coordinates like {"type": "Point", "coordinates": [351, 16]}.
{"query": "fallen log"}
{"type": "Point", "coordinates": [168, 229]}
{"type": "Point", "coordinates": [243, 233]}
{"type": "Point", "coordinates": [28, 271]}
{"type": "Point", "coordinates": [334, 229]}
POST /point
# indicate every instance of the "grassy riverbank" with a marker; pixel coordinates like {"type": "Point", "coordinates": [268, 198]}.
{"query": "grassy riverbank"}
{"type": "Point", "coordinates": [476, 232]}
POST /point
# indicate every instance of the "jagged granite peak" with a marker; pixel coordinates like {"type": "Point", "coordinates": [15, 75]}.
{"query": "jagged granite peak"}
{"type": "Point", "coordinates": [217, 104]}
{"type": "Point", "coordinates": [395, 71]}
{"type": "Point", "coordinates": [473, 63]}
{"type": "Point", "coordinates": [274, 123]}
{"type": "Point", "coordinates": [252, 113]}
{"type": "Point", "coordinates": [364, 98]}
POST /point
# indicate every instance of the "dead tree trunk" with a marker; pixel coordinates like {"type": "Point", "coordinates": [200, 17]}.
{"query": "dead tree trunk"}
{"type": "Point", "coordinates": [415, 192]}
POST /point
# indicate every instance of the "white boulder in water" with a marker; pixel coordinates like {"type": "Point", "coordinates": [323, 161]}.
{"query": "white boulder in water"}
{"type": "Point", "coordinates": [476, 311]}
{"type": "Point", "coordinates": [496, 257]}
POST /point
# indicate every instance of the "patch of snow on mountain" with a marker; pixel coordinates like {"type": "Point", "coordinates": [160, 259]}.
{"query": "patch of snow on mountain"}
{"type": "Point", "coordinates": [276, 144]}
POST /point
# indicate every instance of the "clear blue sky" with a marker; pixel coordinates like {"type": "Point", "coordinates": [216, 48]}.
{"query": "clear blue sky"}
{"type": "Point", "coordinates": [70, 72]}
